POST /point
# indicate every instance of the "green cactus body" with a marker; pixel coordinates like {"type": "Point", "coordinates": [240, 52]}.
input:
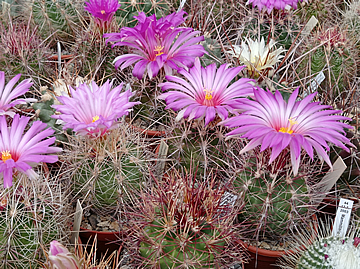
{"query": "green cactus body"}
{"type": "Point", "coordinates": [129, 9]}
{"type": "Point", "coordinates": [102, 181]}
{"type": "Point", "coordinates": [180, 225]}
{"type": "Point", "coordinates": [340, 61]}
{"type": "Point", "coordinates": [27, 224]}
{"type": "Point", "coordinates": [272, 203]}
{"type": "Point", "coordinates": [168, 250]}
{"type": "Point", "coordinates": [331, 51]}
{"type": "Point", "coordinates": [193, 145]}
{"type": "Point", "coordinates": [57, 19]}
{"type": "Point", "coordinates": [283, 30]}
{"type": "Point", "coordinates": [45, 111]}
{"type": "Point", "coordinates": [22, 49]}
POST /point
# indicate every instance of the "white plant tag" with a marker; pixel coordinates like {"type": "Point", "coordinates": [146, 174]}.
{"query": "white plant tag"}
{"type": "Point", "coordinates": [161, 160]}
{"type": "Point", "coordinates": [228, 199]}
{"type": "Point", "coordinates": [77, 222]}
{"type": "Point", "coordinates": [315, 83]}
{"type": "Point", "coordinates": [329, 180]}
{"type": "Point", "coordinates": [309, 26]}
{"type": "Point", "coordinates": [342, 218]}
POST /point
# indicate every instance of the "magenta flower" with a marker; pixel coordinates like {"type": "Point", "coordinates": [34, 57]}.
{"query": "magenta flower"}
{"type": "Point", "coordinates": [94, 110]}
{"type": "Point", "coordinates": [8, 93]}
{"type": "Point", "coordinates": [156, 44]}
{"type": "Point", "coordinates": [102, 10]}
{"type": "Point", "coordinates": [272, 123]}
{"type": "Point", "coordinates": [60, 257]}
{"type": "Point", "coordinates": [207, 93]}
{"type": "Point", "coordinates": [22, 152]}
{"type": "Point", "coordinates": [269, 5]}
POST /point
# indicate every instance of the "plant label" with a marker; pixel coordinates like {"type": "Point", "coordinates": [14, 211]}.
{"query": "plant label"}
{"type": "Point", "coordinates": [329, 180]}
{"type": "Point", "coordinates": [309, 26]}
{"type": "Point", "coordinates": [77, 222]}
{"type": "Point", "coordinates": [315, 83]}
{"type": "Point", "coordinates": [342, 218]}
{"type": "Point", "coordinates": [161, 160]}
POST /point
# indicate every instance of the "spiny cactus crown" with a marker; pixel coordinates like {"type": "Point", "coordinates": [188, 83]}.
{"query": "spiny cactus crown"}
{"type": "Point", "coordinates": [185, 224]}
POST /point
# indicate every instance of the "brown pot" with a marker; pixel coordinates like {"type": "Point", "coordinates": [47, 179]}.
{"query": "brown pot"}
{"type": "Point", "coordinates": [262, 258]}
{"type": "Point", "coordinates": [267, 259]}
{"type": "Point", "coordinates": [107, 242]}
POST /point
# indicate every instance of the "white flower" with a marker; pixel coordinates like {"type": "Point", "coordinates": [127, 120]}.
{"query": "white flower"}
{"type": "Point", "coordinates": [257, 56]}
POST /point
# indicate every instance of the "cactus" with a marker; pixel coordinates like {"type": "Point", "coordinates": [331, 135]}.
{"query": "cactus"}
{"type": "Point", "coordinates": [184, 224]}
{"type": "Point", "coordinates": [275, 201]}
{"type": "Point", "coordinates": [331, 51]}
{"type": "Point", "coordinates": [23, 50]}
{"type": "Point", "coordinates": [318, 248]}
{"type": "Point", "coordinates": [30, 217]}
{"type": "Point", "coordinates": [282, 27]}
{"type": "Point", "coordinates": [57, 20]}
{"type": "Point", "coordinates": [129, 9]}
{"type": "Point", "coordinates": [44, 111]}
{"type": "Point", "coordinates": [193, 144]}
{"type": "Point", "coordinates": [103, 169]}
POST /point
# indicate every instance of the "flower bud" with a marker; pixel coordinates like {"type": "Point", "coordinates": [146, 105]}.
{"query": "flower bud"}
{"type": "Point", "coordinates": [61, 258]}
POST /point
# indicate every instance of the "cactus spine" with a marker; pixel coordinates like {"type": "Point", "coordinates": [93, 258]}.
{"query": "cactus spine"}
{"type": "Point", "coordinates": [30, 217]}
{"type": "Point", "coordinates": [104, 168]}
{"type": "Point", "coordinates": [184, 224]}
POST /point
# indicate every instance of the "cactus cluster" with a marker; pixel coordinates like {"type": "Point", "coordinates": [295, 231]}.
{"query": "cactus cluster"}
{"type": "Point", "coordinates": [331, 51]}
{"type": "Point", "coordinates": [275, 201]}
{"type": "Point", "coordinates": [57, 20]}
{"type": "Point", "coordinates": [193, 144]}
{"type": "Point", "coordinates": [23, 49]}
{"type": "Point", "coordinates": [105, 169]}
{"type": "Point", "coordinates": [184, 223]}
{"type": "Point", "coordinates": [31, 215]}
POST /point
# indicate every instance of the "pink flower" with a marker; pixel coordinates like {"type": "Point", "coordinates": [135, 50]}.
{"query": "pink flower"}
{"type": "Point", "coordinates": [206, 92]}
{"type": "Point", "coordinates": [102, 10]}
{"type": "Point", "coordinates": [23, 151]}
{"type": "Point", "coordinates": [270, 122]}
{"type": "Point", "coordinates": [60, 257]}
{"type": "Point", "coordinates": [157, 44]}
{"type": "Point", "coordinates": [269, 5]}
{"type": "Point", "coordinates": [94, 110]}
{"type": "Point", "coordinates": [8, 93]}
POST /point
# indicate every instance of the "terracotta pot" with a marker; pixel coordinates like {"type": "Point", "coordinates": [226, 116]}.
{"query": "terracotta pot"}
{"type": "Point", "coordinates": [263, 258]}
{"type": "Point", "coordinates": [107, 242]}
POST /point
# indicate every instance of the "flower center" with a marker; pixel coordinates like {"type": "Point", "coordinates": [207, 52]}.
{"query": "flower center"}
{"type": "Point", "coordinates": [208, 95]}
{"type": "Point", "coordinates": [288, 129]}
{"type": "Point", "coordinates": [102, 12]}
{"type": "Point", "coordinates": [95, 118]}
{"type": "Point", "coordinates": [158, 50]}
{"type": "Point", "coordinates": [5, 155]}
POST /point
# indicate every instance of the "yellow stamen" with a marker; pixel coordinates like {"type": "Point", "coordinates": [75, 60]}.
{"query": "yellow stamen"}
{"type": "Point", "coordinates": [103, 12]}
{"type": "Point", "coordinates": [5, 155]}
{"type": "Point", "coordinates": [159, 49]}
{"type": "Point", "coordinates": [208, 95]}
{"type": "Point", "coordinates": [95, 118]}
{"type": "Point", "coordinates": [288, 129]}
